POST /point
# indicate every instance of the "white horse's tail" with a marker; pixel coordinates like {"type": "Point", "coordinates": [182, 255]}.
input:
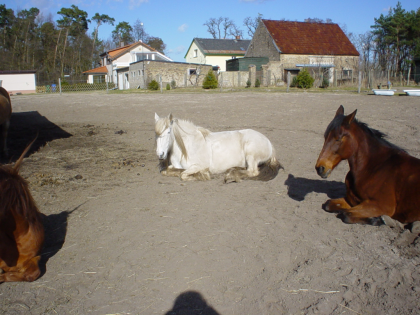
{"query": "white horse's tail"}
{"type": "Point", "coordinates": [269, 169]}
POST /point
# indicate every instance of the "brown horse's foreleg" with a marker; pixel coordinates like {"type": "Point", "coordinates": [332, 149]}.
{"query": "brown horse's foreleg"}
{"type": "Point", "coordinates": [28, 272]}
{"type": "Point", "coordinates": [336, 205]}
{"type": "Point", "coordinates": [367, 212]}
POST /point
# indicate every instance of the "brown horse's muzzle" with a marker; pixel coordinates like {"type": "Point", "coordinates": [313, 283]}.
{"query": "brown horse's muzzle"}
{"type": "Point", "coordinates": [322, 171]}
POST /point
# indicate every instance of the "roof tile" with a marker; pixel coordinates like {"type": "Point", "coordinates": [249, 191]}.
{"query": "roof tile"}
{"type": "Point", "coordinates": [310, 38]}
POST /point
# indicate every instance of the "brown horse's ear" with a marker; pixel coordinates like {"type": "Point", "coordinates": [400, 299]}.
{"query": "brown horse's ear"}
{"type": "Point", "coordinates": [340, 111]}
{"type": "Point", "coordinates": [349, 118]}
{"type": "Point", "coordinates": [170, 117]}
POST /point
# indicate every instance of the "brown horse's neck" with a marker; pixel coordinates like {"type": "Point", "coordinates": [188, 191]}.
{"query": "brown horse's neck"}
{"type": "Point", "coordinates": [369, 152]}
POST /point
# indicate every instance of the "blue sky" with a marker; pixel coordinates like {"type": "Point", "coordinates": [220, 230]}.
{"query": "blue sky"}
{"type": "Point", "coordinates": [178, 22]}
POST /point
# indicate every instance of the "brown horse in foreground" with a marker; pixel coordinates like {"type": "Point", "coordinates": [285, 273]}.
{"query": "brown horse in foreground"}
{"type": "Point", "coordinates": [21, 229]}
{"type": "Point", "coordinates": [383, 179]}
{"type": "Point", "coordinates": [5, 114]}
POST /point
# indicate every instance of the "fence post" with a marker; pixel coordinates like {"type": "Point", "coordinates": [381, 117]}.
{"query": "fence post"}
{"type": "Point", "coordinates": [59, 84]}
{"type": "Point", "coordinates": [160, 81]}
{"type": "Point", "coordinates": [408, 76]}
{"type": "Point", "coordinates": [107, 87]}
{"type": "Point", "coordinates": [288, 80]}
{"type": "Point", "coordinates": [360, 82]}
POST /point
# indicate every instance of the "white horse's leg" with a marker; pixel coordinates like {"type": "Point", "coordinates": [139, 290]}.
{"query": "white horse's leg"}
{"type": "Point", "coordinates": [196, 173]}
{"type": "Point", "coordinates": [236, 174]}
{"type": "Point", "coordinates": [172, 171]}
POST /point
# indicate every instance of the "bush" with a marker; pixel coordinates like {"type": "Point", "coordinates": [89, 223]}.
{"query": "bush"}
{"type": "Point", "coordinates": [304, 79]}
{"type": "Point", "coordinates": [173, 84]}
{"type": "Point", "coordinates": [294, 82]}
{"type": "Point", "coordinates": [168, 87]}
{"type": "Point", "coordinates": [325, 82]}
{"type": "Point", "coordinates": [210, 81]}
{"type": "Point", "coordinates": [248, 83]}
{"type": "Point", "coordinates": [154, 85]}
{"type": "Point", "coordinates": [257, 83]}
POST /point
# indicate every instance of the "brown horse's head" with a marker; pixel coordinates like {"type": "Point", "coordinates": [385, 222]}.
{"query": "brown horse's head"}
{"type": "Point", "coordinates": [338, 143]}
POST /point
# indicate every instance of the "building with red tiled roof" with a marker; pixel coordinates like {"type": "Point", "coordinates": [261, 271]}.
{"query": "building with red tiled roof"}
{"type": "Point", "coordinates": [291, 46]}
{"type": "Point", "coordinates": [115, 62]}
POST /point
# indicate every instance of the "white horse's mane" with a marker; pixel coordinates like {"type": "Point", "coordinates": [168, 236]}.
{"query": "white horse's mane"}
{"type": "Point", "coordinates": [179, 127]}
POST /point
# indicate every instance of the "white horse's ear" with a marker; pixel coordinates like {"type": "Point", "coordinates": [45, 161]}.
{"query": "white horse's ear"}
{"type": "Point", "coordinates": [170, 117]}
{"type": "Point", "coordinates": [156, 117]}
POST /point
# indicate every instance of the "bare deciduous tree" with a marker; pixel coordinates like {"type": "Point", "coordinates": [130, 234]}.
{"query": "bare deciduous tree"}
{"type": "Point", "coordinates": [221, 27]}
{"type": "Point", "coordinates": [252, 23]}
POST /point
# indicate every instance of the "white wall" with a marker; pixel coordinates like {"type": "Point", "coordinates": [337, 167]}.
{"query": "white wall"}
{"type": "Point", "coordinates": [20, 82]}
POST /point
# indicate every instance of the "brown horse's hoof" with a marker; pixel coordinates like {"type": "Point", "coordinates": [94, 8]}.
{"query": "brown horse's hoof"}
{"type": "Point", "coordinates": [378, 221]}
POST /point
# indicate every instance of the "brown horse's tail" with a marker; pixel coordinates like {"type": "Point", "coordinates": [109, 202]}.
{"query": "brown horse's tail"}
{"type": "Point", "coordinates": [5, 94]}
{"type": "Point", "coordinates": [269, 169]}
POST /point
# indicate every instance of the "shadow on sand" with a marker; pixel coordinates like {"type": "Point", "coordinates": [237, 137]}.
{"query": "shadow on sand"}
{"type": "Point", "coordinates": [55, 226]}
{"type": "Point", "coordinates": [191, 303]}
{"type": "Point", "coordinates": [299, 187]}
{"type": "Point", "coordinates": [24, 127]}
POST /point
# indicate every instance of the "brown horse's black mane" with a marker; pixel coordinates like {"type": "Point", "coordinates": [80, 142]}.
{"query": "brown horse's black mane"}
{"type": "Point", "coordinates": [337, 122]}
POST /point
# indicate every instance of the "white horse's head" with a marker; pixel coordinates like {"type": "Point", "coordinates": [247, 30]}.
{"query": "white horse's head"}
{"type": "Point", "coordinates": [164, 137]}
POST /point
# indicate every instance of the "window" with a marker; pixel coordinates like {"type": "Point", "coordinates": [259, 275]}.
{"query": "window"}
{"type": "Point", "coordinates": [139, 72]}
{"type": "Point", "coordinates": [195, 53]}
{"type": "Point", "coordinates": [192, 71]}
{"type": "Point", "coordinates": [98, 78]}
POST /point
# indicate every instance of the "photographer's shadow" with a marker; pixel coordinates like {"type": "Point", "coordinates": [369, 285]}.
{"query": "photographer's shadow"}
{"type": "Point", "coordinates": [299, 187]}
{"type": "Point", "coordinates": [191, 303]}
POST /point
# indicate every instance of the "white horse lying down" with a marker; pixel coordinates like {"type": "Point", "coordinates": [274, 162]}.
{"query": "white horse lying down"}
{"type": "Point", "coordinates": [193, 153]}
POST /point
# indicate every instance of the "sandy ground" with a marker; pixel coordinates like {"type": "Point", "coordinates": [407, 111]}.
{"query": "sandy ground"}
{"type": "Point", "coordinates": [123, 239]}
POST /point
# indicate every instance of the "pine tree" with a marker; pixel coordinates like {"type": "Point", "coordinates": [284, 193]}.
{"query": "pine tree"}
{"type": "Point", "coordinates": [210, 81]}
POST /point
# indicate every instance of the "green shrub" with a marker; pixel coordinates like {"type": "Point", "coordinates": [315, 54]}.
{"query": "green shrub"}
{"type": "Point", "coordinates": [248, 83]}
{"type": "Point", "coordinates": [168, 87]}
{"type": "Point", "coordinates": [173, 84]}
{"type": "Point", "coordinates": [304, 79]}
{"type": "Point", "coordinates": [294, 82]}
{"type": "Point", "coordinates": [325, 82]}
{"type": "Point", "coordinates": [257, 83]}
{"type": "Point", "coordinates": [154, 85]}
{"type": "Point", "coordinates": [210, 81]}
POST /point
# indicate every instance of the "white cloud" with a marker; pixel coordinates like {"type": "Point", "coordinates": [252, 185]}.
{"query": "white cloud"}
{"type": "Point", "coordinates": [182, 28]}
{"type": "Point", "coordinates": [136, 3]}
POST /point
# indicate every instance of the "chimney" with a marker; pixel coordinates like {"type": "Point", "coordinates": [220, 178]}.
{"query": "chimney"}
{"type": "Point", "coordinates": [238, 36]}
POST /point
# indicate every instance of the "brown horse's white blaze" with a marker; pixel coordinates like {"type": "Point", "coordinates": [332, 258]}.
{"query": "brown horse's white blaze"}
{"type": "Point", "coordinates": [21, 229]}
{"type": "Point", "coordinates": [338, 145]}
{"type": "Point", "coordinates": [383, 179]}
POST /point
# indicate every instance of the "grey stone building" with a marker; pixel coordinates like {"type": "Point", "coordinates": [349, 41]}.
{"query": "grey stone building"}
{"type": "Point", "coordinates": [291, 46]}
{"type": "Point", "coordinates": [180, 74]}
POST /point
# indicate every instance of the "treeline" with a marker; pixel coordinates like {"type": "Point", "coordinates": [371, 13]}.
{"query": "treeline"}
{"type": "Point", "coordinates": [393, 42]}
{"type": "Point", "coordinates": [31, 41]}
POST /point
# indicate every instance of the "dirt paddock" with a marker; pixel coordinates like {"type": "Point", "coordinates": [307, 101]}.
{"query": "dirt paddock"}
{"type": "Point", "coordinates": [122, 239]}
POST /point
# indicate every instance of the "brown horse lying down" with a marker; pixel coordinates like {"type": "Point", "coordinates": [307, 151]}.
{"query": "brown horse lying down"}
{"type": "Point", "coordinates": [5, 114]}
{"type": "Point", "coordinates": [21, 229]}
{"type": "Point", "coordinates": [383, 179]}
